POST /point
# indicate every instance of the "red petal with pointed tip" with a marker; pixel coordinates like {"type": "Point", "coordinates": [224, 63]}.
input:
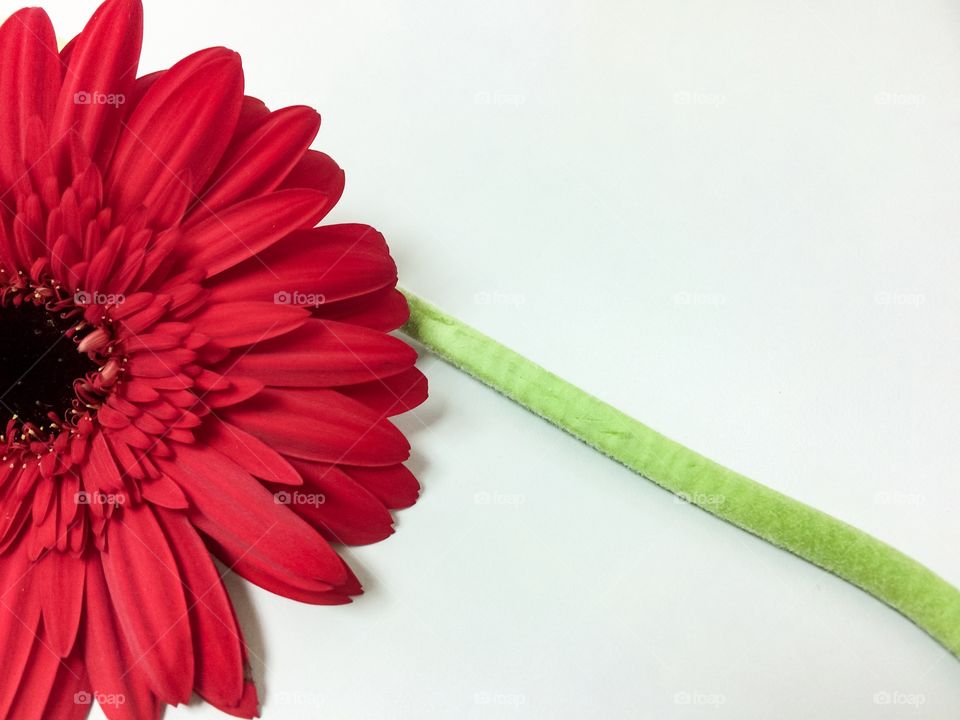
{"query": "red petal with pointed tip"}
{"type": "Point", "coordinates": [228, 500]}
{"type": "Point", "coordinates": [179, 129]}
{"type": "Point", "coordinates": [217, 642]}
{"type": "Point", "coordinates": [326, 354]}
{"type": "Point", "coordinates": [28, 60]}
{"type": "Point", "coordinates": [342, 509]}
{"type": "Point", "coordinates": [111, 664]}
{"type": "Point", "coordinates": [243, 230]}
{"type": "Point", "coordinates": [71, 687]}
{"type": "Point", "coordinates": [392, 395]}
{"type": "Point", "coordinates": [19, 622]}
{"type": "Point", "coordinates": [317, 170]}
{"type": "Point", "coordinates": [144, 584]}
{"type": "Point", "coordinates": [103, 65]}
{"type": "Point", "coordinates": [60, 587]}
{"type": "Point", "coordinates": [383, 310]}
{"type": "Point", "coordinates": [248, 323]}
{"type": "Point", "coordinates": [396, 486]}
{"type": "Point", "coordinates": [321, 425]}
{"type": "Point", "coordinates": [330, 263]}
{"type": "Point", "coordinates": [34, 688]}
{"type": "Point", "coordinates": [260, 160]}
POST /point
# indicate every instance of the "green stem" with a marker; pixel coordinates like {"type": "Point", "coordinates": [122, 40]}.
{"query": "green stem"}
{"type": "Point", "coordinates": [884, 572]}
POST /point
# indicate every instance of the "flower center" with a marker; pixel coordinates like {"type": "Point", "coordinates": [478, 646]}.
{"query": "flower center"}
{"type": "Point", "coordinates": [39, 362]}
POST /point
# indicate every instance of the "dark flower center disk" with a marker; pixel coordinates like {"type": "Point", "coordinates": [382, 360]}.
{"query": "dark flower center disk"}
{"type": "Point", "coordinates": [38, 364]}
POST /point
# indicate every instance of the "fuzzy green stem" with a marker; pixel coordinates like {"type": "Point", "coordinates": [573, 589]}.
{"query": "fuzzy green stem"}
{"type": "Point", "coordinates": [879, 569]}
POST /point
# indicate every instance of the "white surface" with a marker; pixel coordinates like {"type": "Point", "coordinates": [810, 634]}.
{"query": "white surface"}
{"type": "Point", "coordinates": [737, 221]}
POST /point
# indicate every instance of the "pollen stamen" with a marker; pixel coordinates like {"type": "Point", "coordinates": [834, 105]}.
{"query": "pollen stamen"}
{"type": "Point", "coordinates": [47, 387]}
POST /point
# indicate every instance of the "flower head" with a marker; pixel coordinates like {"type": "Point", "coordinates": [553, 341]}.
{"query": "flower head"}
{"type": "Point", "coordinates": [189, 367]}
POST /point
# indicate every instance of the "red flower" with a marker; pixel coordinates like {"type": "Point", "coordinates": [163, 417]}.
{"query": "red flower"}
{"type": "Point", "coordinates": [189, 367]}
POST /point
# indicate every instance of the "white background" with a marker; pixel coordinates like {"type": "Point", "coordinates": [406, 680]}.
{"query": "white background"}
{"type": "Point", "coordinates": [738, 222]}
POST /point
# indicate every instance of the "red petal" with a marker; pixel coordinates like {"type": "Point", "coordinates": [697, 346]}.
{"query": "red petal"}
{"type": "Point", "coordinates": [60, 587]}
{"type": "Point", "coordinates": [243, 230]}
{"type": "Point", "coordinates": [320, 425]}
{"type": "Point", "coordinates": [246, 323]}
{"type": "Point", "coordinates": [34, 688]}
{"type": "Point", "coordinates": [322, 265]}
{"type": "Point", "coordinates": [252, 111]}
{"type": "Point", "coordinates": [384, 310]}
{"type": "Point", "coordinates": [232, 503]}
{"type": "Point", "coordinates": [164, 492]}
{"type": "Point", "coordinates": [317, 170]}
{"type": "Point", "coordinates": [250, 453]}
{"type": "Point", "coordinates": [275, 579]}
{"type": "Point", "coordinates": [343, 510]}
{"type": "Point", "coordinates": [180, 128]}
{"type": "Point", "coordinates": [101, 473]}
{"type": "Point", "coordinates": [29, 84]}
{"type": "Point", "coordinates": [19, 622]}
{"type": "Point", "coordinates": [146, 589]}
{"type": "Point", "coordinates": [391, 396]}
{"type": "Point", "coordinates": [112, 665]}
{"type": "Point", "coordinates": [325, 354]}
{"type": "Point", "coordinates": [71, 688]}
{"type": "Point", "coordinates": [217, 643]}
{"type": "Point", "coordinates": [246, 708]}
{"type": "Point", "coordinates": [258, 163]}
{"type": "Point", "coordinates": [395, 486]}
{"type": "Point", "coordinates": [103, 66]}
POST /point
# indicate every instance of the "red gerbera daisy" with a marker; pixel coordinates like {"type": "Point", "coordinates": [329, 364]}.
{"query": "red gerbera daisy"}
{"type": "Point", "coordinates": [188, 367]}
